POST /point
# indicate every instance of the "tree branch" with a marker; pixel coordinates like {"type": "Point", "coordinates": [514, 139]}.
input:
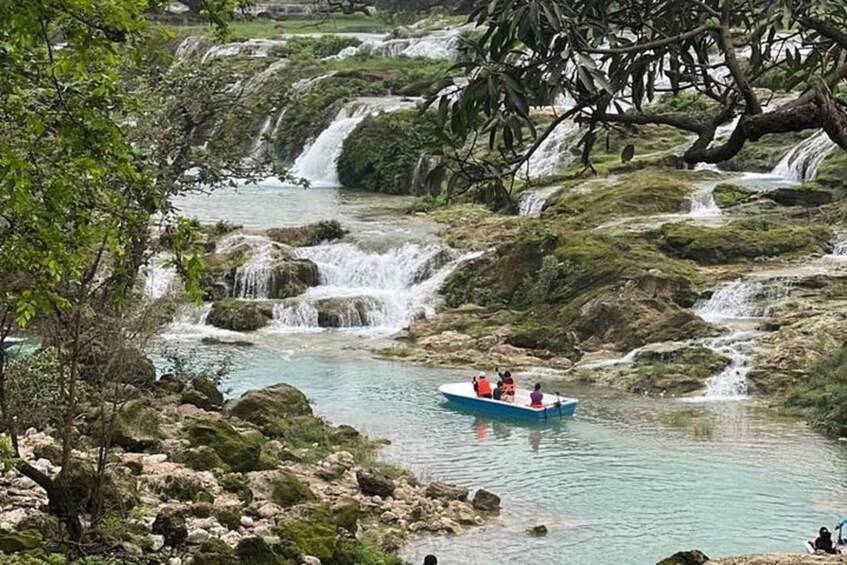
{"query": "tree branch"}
{"type": "Point", "coordinates": [641, 47]}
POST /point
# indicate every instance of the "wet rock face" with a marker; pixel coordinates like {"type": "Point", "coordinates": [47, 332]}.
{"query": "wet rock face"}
{"type": "Point", "coordinates": [446, 491]}
{"type": "Point", "coordinates": [806, 197]}
{"type": "Point", "coordinates": [240, 316]}
{"type": "Point", "coordinates": [263, 407]}
{"type": "Point", "coordinates": [292, 278]}
{"type": "Point", "coordinates": [306, 236]}
{"type": "Point", "coordinates": [348, 312]}
{"type": "Point", "coordinates": [486, 501]}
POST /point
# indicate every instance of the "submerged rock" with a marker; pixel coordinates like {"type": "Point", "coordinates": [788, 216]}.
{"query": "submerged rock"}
{"type": "Point", "coordinates": [486, 501]}
{"type": "Point", "coordinates": [309, 235]}
{"type": "Point", "coordinates": [537, 531]}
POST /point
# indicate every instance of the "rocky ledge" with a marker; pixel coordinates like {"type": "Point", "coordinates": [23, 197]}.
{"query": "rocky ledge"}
{"type": "Point", "coordinates": [695, 557]}
{"type": "Point", "coordinates": [259, 479]}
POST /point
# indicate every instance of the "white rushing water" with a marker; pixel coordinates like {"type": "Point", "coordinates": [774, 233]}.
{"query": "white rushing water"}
{"type": "Point", "coordinates": [253, 278]}
{"type": "Point", "coordinates": [532, 202]}
{"type": "Point", "coordinates": [552, 156]}
{"type": "Point", "coordinates": [317, 163]}
{"type": "Point", "coordinates": [384, 290]}
{"type": "Point", "coordinates": [703, 203]}
{"type": "Point", "coordinates": [160, 278]}
{"type": "Point", "coordinates": [441, 44]}
{"type": "Point", "coordinates": [804, 160]}
{"type": "Point", "coordinates": [733, 306]}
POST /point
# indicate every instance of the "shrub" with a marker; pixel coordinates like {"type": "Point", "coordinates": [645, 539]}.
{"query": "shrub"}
{"type": "Point", "coordinates": [822, 395]}
{"type": "Point", "coordinates": [382, 152]}
{"type": "Point", "coordinates": [33, 389]}
{"type": "Point", "coordinates": [304, 48]}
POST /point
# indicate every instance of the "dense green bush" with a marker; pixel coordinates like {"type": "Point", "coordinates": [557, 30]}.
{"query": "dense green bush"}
{"type": "Point", "coordinates": [304, 48]}
{"type": "Point", "coordinates": [33, 389]}
{"type": "Point", "coordinates": [382, 152]}
{"type": "Point", "coordinates": [821, 395]}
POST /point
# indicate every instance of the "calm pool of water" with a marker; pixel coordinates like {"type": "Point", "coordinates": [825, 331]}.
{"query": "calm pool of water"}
{"type": "Point", "coordinates": [619, 474]}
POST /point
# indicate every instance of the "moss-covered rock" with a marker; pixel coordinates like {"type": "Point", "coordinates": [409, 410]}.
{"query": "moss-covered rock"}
{"type": "Point", "coordinates": [641, 193]}
{"type": "Point", "coordinates": [15, 542]}
{"type": "Point", "coordinates": [241, 452]}
{"type": "Point", "coordinates": [180, 487]}
{"type": "Point", "coordinates": [263, 407]}
{"type": "Point", "coordinates": [287, 490]}
{"type": "Point", "coordinates": [740, 240]}
{"type": "Point", "coordinates": [256, 551]}
{"type": "Point", "coordinates": [833, 172]}
{"type": "Point", "coordinates": [214, 552]}
{"type": "Point", "coordinates": [675, 370]}
{"type": "Point", "coordinates": [135, 427]}
{"type": "Point", "coordinates": [292, 278]}
{"type": "Point", "coordinates": [240, 316]}
{"type": "Point", "coordinates": [807, 196]}
{"type": "Point", "coordinates": [313, 533]}
{"type": "Point", "coordinates": [308, 235]}
{"type": "Point", "coordinates": [729, 195]}
{"type": "Point", "coordinates": [382, 153]}
{"type": "Point", "coordinates": [170, 524]}
{"type": "Point", "coordinates": [763, 155]}
{"type": "Point", "coordinates": [202, 458]}
{"type": "Point", "coordinates": [239, 485]}
{"type": "Point", "coordinates": [209, 389]}
{"type": "Point", "coordinates": [345, 312]}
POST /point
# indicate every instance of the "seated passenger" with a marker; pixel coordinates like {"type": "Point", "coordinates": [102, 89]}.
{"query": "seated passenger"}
{"type": "Point", "coordinates": [509, 387]}
{"type": "Point", "coordinates": [498, 391]}
{"type": "Point", "coordinates": [482, 386]}
{"type": "Point", "coordinates": [824, 542]}
{"type": "Point", "coordinates": [537, 397]}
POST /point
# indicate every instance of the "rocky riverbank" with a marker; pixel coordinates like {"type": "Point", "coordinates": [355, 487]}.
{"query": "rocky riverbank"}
{"type": "Point", "coordinates": [695, 557]}
{"type": "Point", "coordinates": [258, 479]}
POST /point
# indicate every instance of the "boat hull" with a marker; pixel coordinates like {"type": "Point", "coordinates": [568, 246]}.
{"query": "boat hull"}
{"type": "Point", "coordinates": [462, 394]}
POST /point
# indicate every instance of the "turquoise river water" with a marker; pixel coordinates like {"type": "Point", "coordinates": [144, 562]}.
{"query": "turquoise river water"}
{"type": "Point", "coordinates": [618, 483]}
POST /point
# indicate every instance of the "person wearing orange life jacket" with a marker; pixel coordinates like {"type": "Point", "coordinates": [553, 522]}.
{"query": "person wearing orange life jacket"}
{"type": "Point", "coordinates": [482, 386]}
{"type": "Point", "coordinates": [509, 385]}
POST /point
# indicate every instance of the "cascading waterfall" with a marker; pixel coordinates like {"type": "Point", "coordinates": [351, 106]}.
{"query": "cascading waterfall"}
{"type": "Point", "coordinates": [532, 202]}
{"type": "Point", "coordinates": [839, 251]}
{"type": "Point", "coordinates": [257, 149]}
{"type": "Point", "coordinates": [552, 155]}
{"type": "Point", "coordinates": [703, 203]}
{"type": "Point", "coordinates": [730, 306]}
{"type": "Point", "coordinates": [160, 278]}
{"type": "Point", "coordinates": [362, 288]}
{"type": "Point", "coordinates": [804, 160]}
{"type": "Point", "coordinates": [436, 45]}
{"type": "Point", "coordinates": [317, 163]}
{"type": "Point", "coordinates": [252, 48]}
{"type": "Point", "coordinates": [253, 278]}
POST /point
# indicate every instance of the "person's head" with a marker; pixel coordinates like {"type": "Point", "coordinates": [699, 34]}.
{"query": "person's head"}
{"type": "Point", "coordinates": [430, 560]}
{"type": "Point", "coordinates": [482, 376]}
{"type": "Point", "coordinates": [824, 533]}
{"type": "Point", "coordinates": [537, 386]}
{"type": "Point", "coordinates": [507, 374]}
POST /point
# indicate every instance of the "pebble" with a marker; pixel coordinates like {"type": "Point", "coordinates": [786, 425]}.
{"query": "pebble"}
{"type": "Point", "coordinates": [267, 510]}
{"type": "Point", "coordinates": [309, 560]}
{"type": "Point", "coordinates": [174, 561]}
{"type": "Point", "coordinates": [247, 521]}
{"type": "Point", "coordinates": [231, 538]}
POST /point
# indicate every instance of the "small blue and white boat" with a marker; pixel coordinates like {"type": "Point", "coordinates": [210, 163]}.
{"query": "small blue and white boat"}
{"type": "Point", "coordinates": [554, 406]}
{"type": "Point", "coordinates": [11, 342]}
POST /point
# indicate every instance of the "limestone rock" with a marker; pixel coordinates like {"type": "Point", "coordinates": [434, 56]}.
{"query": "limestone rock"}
{"type": "Point", "coordinates": [240, 316]}
{"type": "Point", "coordinates": [373, 484]}
{"type": "Point", "coordinates": [239, 451]}
{"type": "Point", "coordinates": [486, 501]}
{"type": "Point", "coordinates": [196, 537]}
{"type": "Point", "coordinates": [693, 557]}
{"type": "Point", "coordinates": [263, 407]}
{"type": "Point", "coordinates": [446, 491]}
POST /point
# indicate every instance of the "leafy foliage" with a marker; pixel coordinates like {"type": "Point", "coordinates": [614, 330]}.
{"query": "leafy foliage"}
{"type": "Point", "coordinates": [320, 47]}
{"type": "Point", "coordinates": [611, 58]}
{"type": "Point", "coordinates": [822, 394]}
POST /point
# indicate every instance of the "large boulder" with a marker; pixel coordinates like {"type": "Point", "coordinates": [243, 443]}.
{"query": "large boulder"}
{"type": "Point", "coordinates": [375, 484]}
{"type": "Point", "coordinates": [127, 365]}
{"type": "Point", "coordinates": [347, 312]}
{"type": "Point", "coordinates": [807, 197]}
{"type": "Point", "coordinates": [292, 278]}
{"type": "Point", "coordinates": [305, 236]}
{"type": "Point", "coordinates": [486, 501]}
{"type": "Point", "coordinates": [240, 316]}
{"type": "Point", "coordinates": [446, 491]}
{"type": "Point", "coordinates": [241, 452]}
{"type": "Point", "coordinates": [264, 407]}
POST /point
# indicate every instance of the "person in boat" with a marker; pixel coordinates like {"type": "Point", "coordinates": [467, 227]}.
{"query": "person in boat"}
{"type": "Point", "coordinates": [536, 397]}
{"type": "Point", "coordinates": [482, 386]}
{"type": "Point", "coordinates": [509, 385]}
{"type": "Point", "coordinates": [430, 560]}
{"type": "Point", "coordinates": [824, 542]}
{"type": "Point", "coordinates": [497, 393]}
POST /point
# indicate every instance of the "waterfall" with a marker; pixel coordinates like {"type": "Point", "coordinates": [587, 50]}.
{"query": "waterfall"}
{"type": "Point", "coordinates": [703, 203]}
{"type": "Point", "coordinates": [359, 288]}
{"type": "Point", "coordinates": [731, 304]}
{"type": "Point", "coordinates": [552, 155]}
{"type": "Point", "coordinates": [257, 149]}
{"type": "Point", "coordinates": [804, 160]}
{"type": "Point", "coordinates": [745, 300]}
{"type": "Point", "coordinates": [253, 278]}
{"type": "Point", "coordinates": [442, 44]}
{"type": "Point", "coordinates": [317, 163]}
{"type": "Point", "coordinates": [425, 165]}
{"type": "Point", "coordinates": [160, 278]}
{"type": "Point", "coordinates": [531, 202]}
{"type": "Point", "coordinates": [840, 250]}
